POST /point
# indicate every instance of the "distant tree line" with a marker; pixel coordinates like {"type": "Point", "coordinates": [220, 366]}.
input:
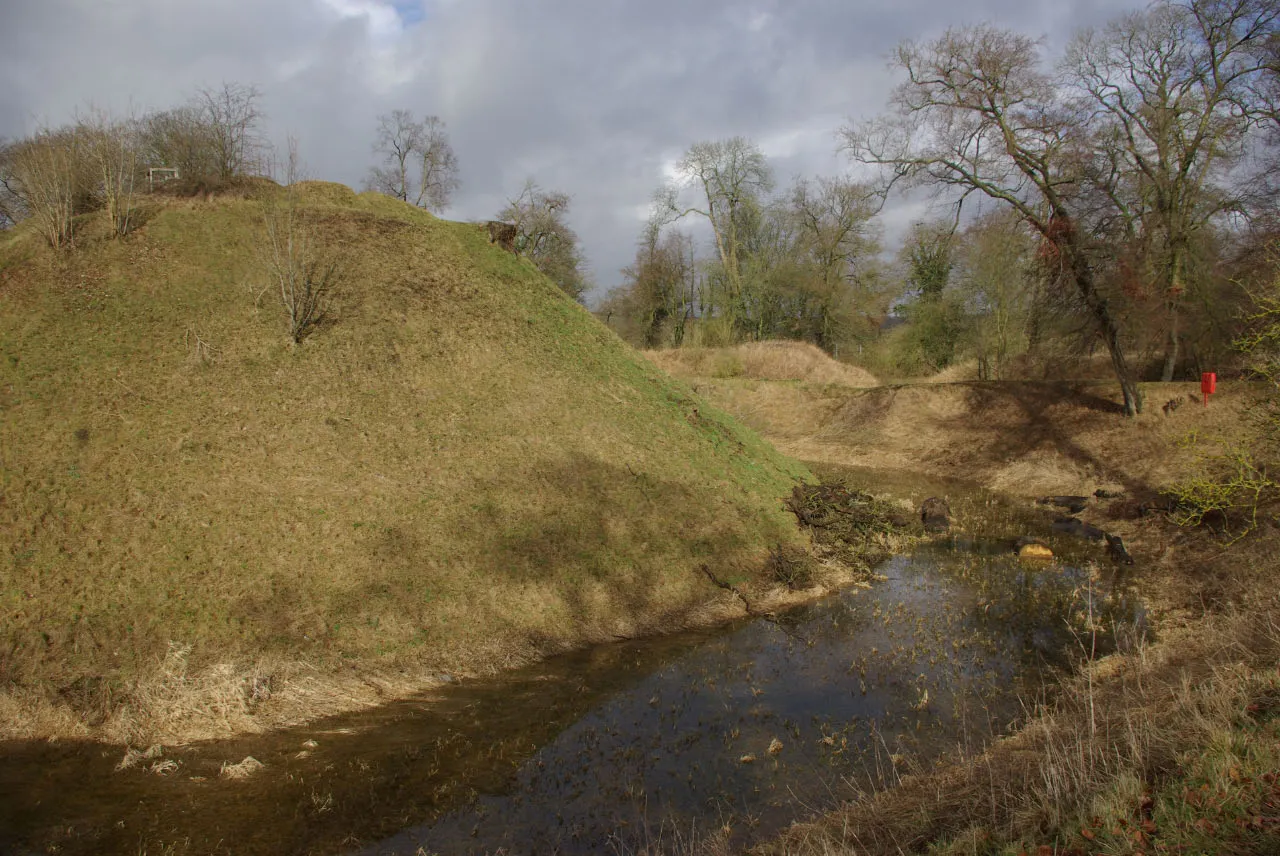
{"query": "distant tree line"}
{"type": "Point", "coordinates": [1127, 193]}
{"type": "Point", "coordinates": [802, 263]}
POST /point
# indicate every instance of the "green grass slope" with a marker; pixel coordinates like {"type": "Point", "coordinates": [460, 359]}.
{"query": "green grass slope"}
{"type": "Point", "coordinates": [462, 468]}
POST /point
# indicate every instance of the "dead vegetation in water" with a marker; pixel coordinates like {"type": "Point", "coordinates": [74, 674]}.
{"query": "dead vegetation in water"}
{"type": "Point", "coordinates": [241, 769]}
{"type": "Point", "coordinates": [134, 757]}
{"type": "Point", "coordinates": [792, 567]}
{"type": "Point", "coordinates": [1164, 747]}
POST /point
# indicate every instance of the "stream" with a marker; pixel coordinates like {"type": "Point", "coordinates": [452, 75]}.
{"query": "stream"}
{"type": "Point", "coordinates": [621, 747]}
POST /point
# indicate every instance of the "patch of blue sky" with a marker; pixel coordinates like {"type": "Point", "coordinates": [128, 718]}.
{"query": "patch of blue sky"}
{"type": "Point", "coordinates": [410, 11]}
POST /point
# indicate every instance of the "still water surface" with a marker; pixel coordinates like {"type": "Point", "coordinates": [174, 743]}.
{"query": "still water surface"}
{"type": "Point", "coordinates": [747, 727]}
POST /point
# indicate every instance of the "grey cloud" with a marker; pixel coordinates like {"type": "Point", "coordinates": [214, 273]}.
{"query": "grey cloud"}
{"type": "Point", "coordinates": [587, 96]}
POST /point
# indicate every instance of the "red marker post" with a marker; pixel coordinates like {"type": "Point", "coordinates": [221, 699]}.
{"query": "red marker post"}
{"type": "Point", "coordinates": [1208, 386]}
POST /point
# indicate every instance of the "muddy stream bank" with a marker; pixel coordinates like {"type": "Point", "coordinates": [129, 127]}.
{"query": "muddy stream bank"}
{"type": "Point", "coordinates": [745, 727]}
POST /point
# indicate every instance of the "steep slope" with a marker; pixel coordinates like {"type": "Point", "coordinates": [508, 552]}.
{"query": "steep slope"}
{"type": "Point", "coordinates": [460, 469]}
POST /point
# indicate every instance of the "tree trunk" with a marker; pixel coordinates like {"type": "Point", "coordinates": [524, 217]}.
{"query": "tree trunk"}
{"type": "Point", "coordinates": [1128, 386]}
{"type": "Point", "coordinates": [1176, 287]}
{"type": "Point", "coordinates": [1107, 329]}
{"type": "Point", "coordinates": [1170, 353]}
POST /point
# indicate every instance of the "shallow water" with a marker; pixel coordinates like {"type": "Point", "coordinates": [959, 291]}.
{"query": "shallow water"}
{"type": "Point", "coordinates": [607, 749]}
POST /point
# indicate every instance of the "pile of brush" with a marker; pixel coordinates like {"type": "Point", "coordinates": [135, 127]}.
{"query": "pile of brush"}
{"type": "Point", "coordinates": [847, 525]}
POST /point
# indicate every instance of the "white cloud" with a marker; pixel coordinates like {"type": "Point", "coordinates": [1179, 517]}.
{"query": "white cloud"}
{"type": "Point", "coordinates": [383, 20]}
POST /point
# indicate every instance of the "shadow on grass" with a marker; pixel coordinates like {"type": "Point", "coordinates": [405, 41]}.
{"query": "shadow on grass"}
{"type": "Point", "coordinates": [1040, 427]}
{"type": "Point", "coordinates": [545, 557]}
{"type": "Point", "coordinates": [368, 775]}
{"type": "Point", "coordinates": [1016, 418]}
{"type": "Point", "coordinates": [585, 524]}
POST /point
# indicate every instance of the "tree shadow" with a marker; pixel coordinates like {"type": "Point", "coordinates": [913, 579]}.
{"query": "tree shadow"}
{"type": "Point", "coordinates": [610, 540]}
{"type": "Point", "coordinates": [1038, 426]}
{"type": "Point", "coordinates": [366, 776]}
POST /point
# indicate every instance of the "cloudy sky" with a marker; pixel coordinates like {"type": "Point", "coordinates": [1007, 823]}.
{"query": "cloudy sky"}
{"type": "Point", "coordinates": [593, 97]}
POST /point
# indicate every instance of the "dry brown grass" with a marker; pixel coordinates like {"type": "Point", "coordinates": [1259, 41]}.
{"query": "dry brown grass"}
{"type": "Point", "coordinates": [961, 371]}
{"type": "Point", "coordinates": [241, 769]}
{"type": "Point", "coordinates": [205, 528]}
{"type": "Point", "coordinates": [1132, 726]}
{"type": "Point", "coordinates": [1120, 730]}
{"type": "Point", "coordinates": [1019, 437]}
{"type": "Point", "coordinates": [772, 360]}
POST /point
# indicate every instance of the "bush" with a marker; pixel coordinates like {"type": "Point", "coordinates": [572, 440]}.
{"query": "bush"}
{"type": "Point", "coordinates": [1235, 483]}
{"type": "Point", "coordinates": [1229, 493]}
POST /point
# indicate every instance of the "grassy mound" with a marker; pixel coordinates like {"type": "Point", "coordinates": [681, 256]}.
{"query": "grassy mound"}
{"type": "Point", "coordinates": [460, 469]}
{"type": "Point", "coordinates": [775, 360]}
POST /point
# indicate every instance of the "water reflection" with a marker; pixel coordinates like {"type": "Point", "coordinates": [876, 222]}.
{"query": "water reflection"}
{"type": "Point", "coordinates": [745, 727]}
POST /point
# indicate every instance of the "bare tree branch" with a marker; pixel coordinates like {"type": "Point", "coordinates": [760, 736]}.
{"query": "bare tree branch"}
{"type": "Point", "coordinates": [977, 114]}
{"type": "Point", "coordinates": [406, 144]}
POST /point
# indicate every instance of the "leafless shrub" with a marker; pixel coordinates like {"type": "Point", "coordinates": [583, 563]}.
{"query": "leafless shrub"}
{"type": "Point", "coordinates": [216, 136]}
{"type": "Point", "coordinates": [44, 173]}
{"type": "Point", "coordinates": [12, 206]}
{"type": "Point", "coordinates": [296, 261]}
{"type": "Point", "coordinates": [231, 116]}
{"type": "Point", "coordinates": [113, 149]}
{"type": "Point", "coordinates": [176, 138]}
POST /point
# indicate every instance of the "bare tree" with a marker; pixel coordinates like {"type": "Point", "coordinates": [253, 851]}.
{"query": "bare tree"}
{"type": "Point", "coordinates": [1173, 87]}
{"type": "Point", "coordinates": [835, 217]}
{"type": "Point", "coordinates": [995, 271]}
{"type": "Point", "coordinates": [836, 241]}
{"type": "Point", "coordinates": [438, 178]}
{"type": "Point", "coordinates": [301, 268]}
{"type": "Point", "coordinates": [731, 176]}
{"type": "Point", "coordinates": [179, 139]}
{"type": "Point", "coordinates": [45, 175]}
{"type": "Point", "coordinates": [406, 145]}
{"type": "Point", "coordinates": [231, 117]}
{"type": "Point", "coordinates": [978, 115]}
{"type": "Point", "coordinates": [659, 295]}
{"type": "Point", "coordinates": [113, 147]}
{"type": "Point", "coordinates": [543, 235]}
{"type": "Point", "coordinates": [399, 139]}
